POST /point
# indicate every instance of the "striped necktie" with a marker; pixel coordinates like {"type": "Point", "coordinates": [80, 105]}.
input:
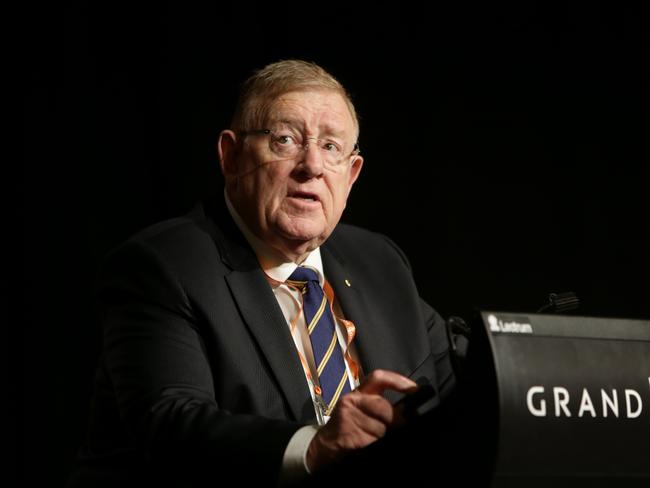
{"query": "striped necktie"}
{"type": "Point", "coordinates": [328, 357]}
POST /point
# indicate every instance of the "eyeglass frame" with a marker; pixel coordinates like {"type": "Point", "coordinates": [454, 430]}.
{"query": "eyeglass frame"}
{"type": "Point", "coordinates": [356, 150]}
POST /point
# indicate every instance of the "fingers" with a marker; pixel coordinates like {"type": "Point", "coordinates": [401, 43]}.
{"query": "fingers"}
{"type": "Point", "coordinates": [359, 418]}
{"type": "Point", "coordinates": [367, 405]}
{"type": "Point", "coordinates": [361, 406]}
{"type": "Point", "coordinates": [381, 380]}
{"type": "Point", "coordinates": [367, 398]}
{"type": "Point", "coordinates": [369, 415]}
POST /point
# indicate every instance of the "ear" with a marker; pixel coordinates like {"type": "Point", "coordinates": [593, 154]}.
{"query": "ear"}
{"type": "Point", "coordinates": [227, 148]}
{"type": "Point", "coordinates": [355, 170]}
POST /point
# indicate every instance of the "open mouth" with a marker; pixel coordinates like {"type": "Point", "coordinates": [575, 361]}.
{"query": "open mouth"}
{"type": "Point", "coordinates": [303, 195]}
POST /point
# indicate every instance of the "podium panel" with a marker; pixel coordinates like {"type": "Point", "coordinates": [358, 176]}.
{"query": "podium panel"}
{"type": "Point", "coordinates": [573, 397]}
{"type": "Point", "coordinates": [540, 401]}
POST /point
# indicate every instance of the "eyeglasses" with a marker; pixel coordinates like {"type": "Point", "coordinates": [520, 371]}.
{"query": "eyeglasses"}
{"type": "Point", "coordinates": [288, 145]}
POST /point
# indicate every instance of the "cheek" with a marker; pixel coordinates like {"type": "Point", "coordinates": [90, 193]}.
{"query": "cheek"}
{"type": "Point", "coordinates": [266, 177]}
{"type": "Point", "coordinates": [338, 196]}
{"type": "Point", "coordinates": [270, 186]}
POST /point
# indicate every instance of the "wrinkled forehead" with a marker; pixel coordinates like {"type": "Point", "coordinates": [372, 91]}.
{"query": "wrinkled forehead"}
{"type": "Point", "coordinates": [313, 111]}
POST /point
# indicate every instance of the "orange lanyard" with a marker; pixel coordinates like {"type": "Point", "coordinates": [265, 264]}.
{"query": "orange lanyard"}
{"type": "Point", "coordinates": [350, 329]}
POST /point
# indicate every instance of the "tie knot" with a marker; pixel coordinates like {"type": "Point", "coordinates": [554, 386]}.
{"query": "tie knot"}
{"type": "Point", "coordinates": [301, 276]}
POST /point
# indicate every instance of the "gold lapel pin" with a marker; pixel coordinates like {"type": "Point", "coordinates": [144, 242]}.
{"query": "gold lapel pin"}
{"type": "Point", "coordinates": [347, 282]}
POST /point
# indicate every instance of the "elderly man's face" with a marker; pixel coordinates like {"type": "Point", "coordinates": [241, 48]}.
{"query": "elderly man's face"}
{"type": "Point", "coordinates": [293, 204]}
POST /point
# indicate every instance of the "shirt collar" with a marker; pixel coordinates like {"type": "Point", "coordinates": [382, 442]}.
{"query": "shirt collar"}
{"type": "Point", "coordinates": [275, 265]}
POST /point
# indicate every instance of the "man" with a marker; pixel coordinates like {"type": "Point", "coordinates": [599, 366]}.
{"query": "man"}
{"type": "Point", "coordinates": [211, 365]}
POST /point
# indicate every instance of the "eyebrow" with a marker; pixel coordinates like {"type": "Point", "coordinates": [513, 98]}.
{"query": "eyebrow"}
{"type": "Point", "coordinates": [298, 123]}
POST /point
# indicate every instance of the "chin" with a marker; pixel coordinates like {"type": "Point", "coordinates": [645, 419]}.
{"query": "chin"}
{"type": "Point", "coordinates": [305, 235]}
{"type": "Point", "coordinates": [302, 228]}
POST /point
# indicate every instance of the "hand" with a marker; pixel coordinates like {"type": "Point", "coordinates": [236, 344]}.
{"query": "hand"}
{"type": "Point", "coordinates": [358, 419]}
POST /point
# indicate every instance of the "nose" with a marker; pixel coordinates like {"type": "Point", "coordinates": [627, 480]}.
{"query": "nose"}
{"type": "Point", "coordinates": [311, 159]}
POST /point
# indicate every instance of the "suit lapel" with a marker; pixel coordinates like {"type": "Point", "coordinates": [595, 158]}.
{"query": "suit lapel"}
{"type": "Point", "coordinates": [355, 307]}
{"type": "Point", "coordinates": [261, 312]}
{"type": "Point", "coordinates": [267, 324]}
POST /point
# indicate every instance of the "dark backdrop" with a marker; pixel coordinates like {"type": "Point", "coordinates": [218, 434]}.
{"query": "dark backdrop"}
{"type": "Point", "coordinates": [505, 152]}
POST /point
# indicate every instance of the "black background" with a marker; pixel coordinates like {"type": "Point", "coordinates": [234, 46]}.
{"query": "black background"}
{"type": "Point", "coordinates": [505, 149]}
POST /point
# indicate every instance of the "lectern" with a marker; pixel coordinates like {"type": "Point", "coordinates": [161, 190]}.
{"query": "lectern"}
{"type": "Point", "coordinates": [573, 398]}
{"type": "Point", "coordinates": [542, 401]}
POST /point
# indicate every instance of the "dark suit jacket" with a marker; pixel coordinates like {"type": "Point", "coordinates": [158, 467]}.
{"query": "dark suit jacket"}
{"type": "Point", "coordinates": [199, 374]}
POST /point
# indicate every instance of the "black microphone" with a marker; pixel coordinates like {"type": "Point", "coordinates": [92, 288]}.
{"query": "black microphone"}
{"type": "Point", "coordinates": [458, 326]}
{"type": "Point", "coordinates": [458, 336]}
{"type": "Point", "coordinates": [560, 303]}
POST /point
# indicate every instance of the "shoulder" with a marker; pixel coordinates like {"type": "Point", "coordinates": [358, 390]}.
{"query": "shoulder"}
{"type": "Point", "coordinates": [177, 231]}
{"type": "Point", "coordinates": [188, 242]}
{"type": "Point", "coordinates": [202, 229]}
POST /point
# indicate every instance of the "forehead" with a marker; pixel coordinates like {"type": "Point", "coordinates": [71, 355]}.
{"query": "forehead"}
{"type": "Point", "coordinates": [312, 110]}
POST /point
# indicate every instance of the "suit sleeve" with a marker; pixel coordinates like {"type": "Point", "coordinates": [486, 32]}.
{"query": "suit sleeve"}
{"type": "Point", "coordinates": [437, 334]}
{"type": "Point", "coordinates": [164, 385]}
